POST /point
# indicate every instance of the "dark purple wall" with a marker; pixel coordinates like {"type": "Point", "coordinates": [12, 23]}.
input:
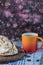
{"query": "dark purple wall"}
{"type": "Point", "coordinates": [19, 16]}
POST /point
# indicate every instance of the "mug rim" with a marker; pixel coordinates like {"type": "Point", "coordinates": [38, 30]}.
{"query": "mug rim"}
{"type": "Point", "coordinates": [30, 33]}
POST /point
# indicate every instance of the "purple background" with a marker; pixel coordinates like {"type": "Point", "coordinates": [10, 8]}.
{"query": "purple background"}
{"type": "Point", "coordinates": [19, 16]}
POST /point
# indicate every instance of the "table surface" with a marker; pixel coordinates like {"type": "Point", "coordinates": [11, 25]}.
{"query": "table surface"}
{"type": "Point", "coordinates": [29, 59]}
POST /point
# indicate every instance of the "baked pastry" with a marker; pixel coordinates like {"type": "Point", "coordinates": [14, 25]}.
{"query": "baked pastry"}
{"type": "Point", "coordinates": [6, 47]}
{"type": "Point", "coordinates": [12, 51]}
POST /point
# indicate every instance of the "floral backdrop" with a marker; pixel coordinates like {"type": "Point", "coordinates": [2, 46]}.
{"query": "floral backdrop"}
{"type": "Point", "coordinates": [19, 16]}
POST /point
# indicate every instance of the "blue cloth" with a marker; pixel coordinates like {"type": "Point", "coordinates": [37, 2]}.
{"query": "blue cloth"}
{"type": "Point", "coordinates": [25, 61]}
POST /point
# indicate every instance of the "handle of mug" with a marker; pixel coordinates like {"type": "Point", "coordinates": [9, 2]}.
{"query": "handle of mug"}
{"type": "Point", "coordinates": [41, 41]}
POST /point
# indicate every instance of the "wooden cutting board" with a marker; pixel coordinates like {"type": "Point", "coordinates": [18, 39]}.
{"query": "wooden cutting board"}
{"type": "Point", "coordinates": [11, 58]}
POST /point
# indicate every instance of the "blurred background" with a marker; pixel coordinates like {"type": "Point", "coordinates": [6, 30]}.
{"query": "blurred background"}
{"type": "Point", "coordinates": [20, 16]}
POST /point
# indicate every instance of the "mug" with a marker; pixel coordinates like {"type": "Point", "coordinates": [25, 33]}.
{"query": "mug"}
{"type": "Point", "coordinates": [30, 42]}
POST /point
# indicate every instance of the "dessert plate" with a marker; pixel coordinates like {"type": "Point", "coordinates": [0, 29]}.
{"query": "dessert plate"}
{"type": "Point", "coordinates": [14, 57]}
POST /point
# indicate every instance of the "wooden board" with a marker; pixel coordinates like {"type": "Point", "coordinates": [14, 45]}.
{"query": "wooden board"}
{"type": "Point", "coordinates": [11, 58]}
